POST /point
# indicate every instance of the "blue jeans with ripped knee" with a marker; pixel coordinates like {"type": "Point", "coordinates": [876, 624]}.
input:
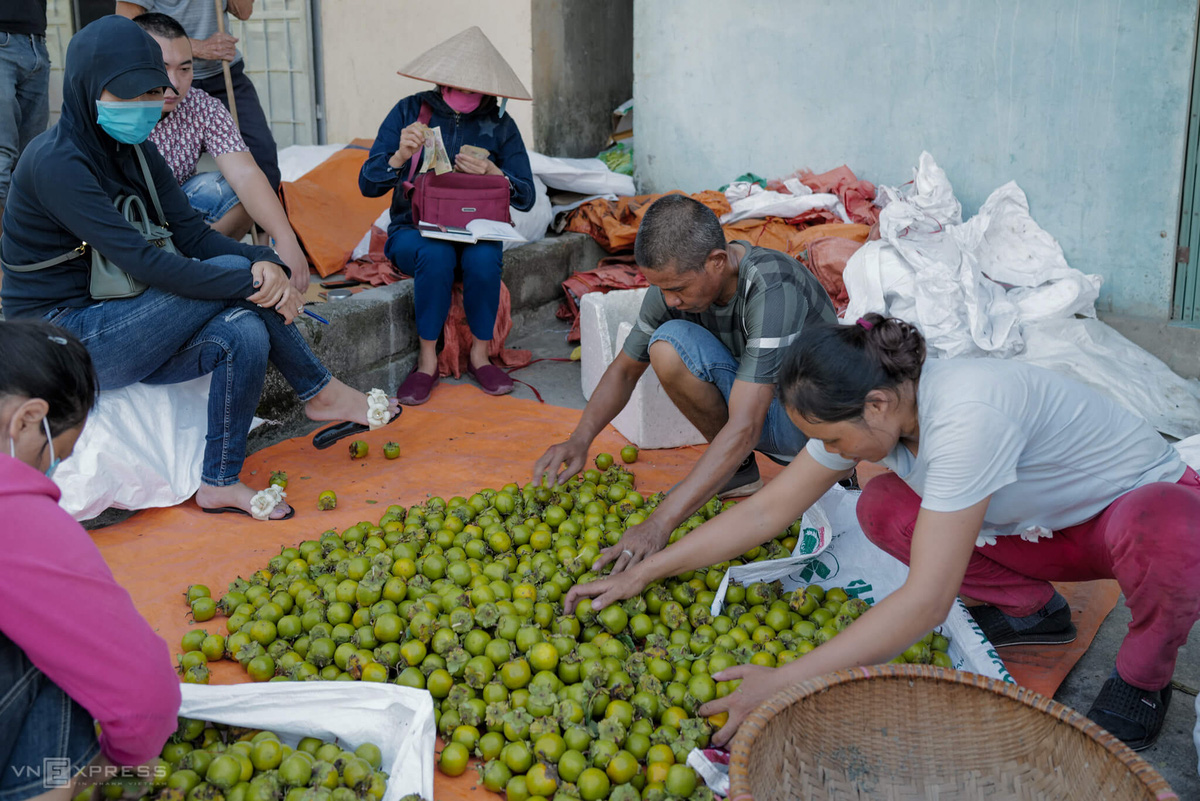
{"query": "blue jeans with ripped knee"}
{"type": "Point", "coordinates": [162, 338]}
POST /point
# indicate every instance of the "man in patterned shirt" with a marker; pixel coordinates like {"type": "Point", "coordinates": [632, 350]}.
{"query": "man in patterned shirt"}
{"type": "Point", "coordinates": [714, 325]}
{"type": "Point", "coordinates": [239, 194]}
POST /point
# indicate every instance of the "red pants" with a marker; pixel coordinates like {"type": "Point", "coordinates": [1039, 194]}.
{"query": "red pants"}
{"type": "Point", "coordinates": [1148, 540]}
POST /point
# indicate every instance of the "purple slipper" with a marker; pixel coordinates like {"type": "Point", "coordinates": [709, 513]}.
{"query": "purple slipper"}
{"type": "Point", "coordinates": [491, 379]}
{"type": "Point", "coordinates": [416, 388]}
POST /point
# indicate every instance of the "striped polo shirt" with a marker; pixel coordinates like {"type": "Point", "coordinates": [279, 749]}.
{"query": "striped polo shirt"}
{"type": "Point", "coordinates": [776, 297]}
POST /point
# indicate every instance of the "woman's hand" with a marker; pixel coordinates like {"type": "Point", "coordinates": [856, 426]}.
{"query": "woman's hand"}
{"type": "Point", "coordinates": [270, 282]}
{"type": "Point", "coordinates": [606, 591]}
{"type": "Point", "coordinates": [758, 685]}
{"type": "Point", "coordinates": [474, 166]}
{"type": "Point", "coordinates": [412, 139]}
{"type": "Point", "coordinates": [290, 305]}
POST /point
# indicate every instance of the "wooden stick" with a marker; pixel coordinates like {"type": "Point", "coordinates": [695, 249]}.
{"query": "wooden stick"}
{"type": "Point", "coordinates": [229, 95]}
{"type": "Point", "coordinates": [225, 67]}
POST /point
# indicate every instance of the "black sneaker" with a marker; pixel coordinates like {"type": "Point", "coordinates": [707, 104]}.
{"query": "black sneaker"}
{"type": "Point", "coordinates": [1131, 714]}
{"type": "Point", "coordinates": [746, 481]}
{"type": "Point", "coordinates": [1055, 629]}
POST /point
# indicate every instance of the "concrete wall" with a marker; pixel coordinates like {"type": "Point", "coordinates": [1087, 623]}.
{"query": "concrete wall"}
{"type": "Point", "coordinates": [1084, 104]}
{"type": "Point", "coordinates": [366, 41]}
{"type": "Point", "coordinates": [583, 70]}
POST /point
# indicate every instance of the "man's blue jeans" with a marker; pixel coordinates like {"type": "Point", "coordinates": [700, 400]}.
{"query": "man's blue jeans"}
{"type": "Point", "coordinates": [38, 721]}
{"type": "Point", "coordinates": [24, 98]}
{"type": "Point", "coordinates": [162, 338]}
{"type": "Point", "coordinates": [710, 361]}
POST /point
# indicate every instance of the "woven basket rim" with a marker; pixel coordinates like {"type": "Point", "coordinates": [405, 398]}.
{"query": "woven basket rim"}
{"type": "Point", "coordinates": [755, 723]}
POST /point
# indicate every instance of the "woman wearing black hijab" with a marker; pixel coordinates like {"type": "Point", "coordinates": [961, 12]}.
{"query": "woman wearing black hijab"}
{"type": "Point", "coordinates": [216, 306]}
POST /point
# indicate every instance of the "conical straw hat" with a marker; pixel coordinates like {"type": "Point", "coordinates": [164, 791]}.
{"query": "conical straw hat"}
{"type": "Point", "coordinates": [467, 61]}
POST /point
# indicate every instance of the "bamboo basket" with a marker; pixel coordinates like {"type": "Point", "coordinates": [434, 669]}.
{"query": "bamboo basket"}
{"type": "Point", "coordinates": [909, 732]}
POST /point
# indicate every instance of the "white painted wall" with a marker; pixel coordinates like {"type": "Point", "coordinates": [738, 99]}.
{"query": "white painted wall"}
{"type": "Point", "coordinates": [1084, 103]}
{"type": "Point", "coordinates": [366, 41]}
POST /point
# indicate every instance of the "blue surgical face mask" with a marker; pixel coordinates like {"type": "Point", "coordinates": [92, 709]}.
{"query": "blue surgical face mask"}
{"type": "Point", "coordinates": [129, 121]}
{"type": "Point", "coordinates": [54, 460]}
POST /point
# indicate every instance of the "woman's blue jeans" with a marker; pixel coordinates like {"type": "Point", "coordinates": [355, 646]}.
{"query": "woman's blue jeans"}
{"type": "Point", "coordinates": [162, 338]}
{"type": "Point", "coordinates": [433, 263]}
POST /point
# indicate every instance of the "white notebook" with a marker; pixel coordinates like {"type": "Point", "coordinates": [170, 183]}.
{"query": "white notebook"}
{"type": "Point", "coordinates": [475, 231]}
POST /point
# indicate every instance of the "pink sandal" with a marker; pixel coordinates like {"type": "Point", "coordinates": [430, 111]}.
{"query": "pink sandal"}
{"type": "Point", "coordinates": [491, 379]}
{"type": "Point", "coordinates": [416, 389]}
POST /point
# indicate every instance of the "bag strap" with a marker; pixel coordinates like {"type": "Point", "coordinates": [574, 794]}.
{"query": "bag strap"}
{"type": "Point", "coordinates": [141, 157]}
{"type": "Point", "coordinates": [42, 265]}
{"type": "Point", "coordinates": [82, 249]}
{"type": "Point", "coordinates": [424, 117]}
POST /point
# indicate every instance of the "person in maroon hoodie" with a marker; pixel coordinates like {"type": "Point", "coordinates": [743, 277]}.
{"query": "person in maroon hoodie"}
{"type": "Point", "coordinates": [73, 649]}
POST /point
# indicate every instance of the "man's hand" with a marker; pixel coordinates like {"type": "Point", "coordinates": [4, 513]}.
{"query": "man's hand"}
{"type": "Point", "coordinates": [218, 47]}
{"type": "Point", "coordinates": [605, 591]}
{"type": "Point", "coordinates": [637, 543]}
{"type": "Point", "coordinates": [474, 166]}
{"type": "Point", "coordinates": [412, 139]}
{"type": "Point", "coordinates": [270, 283]}
{"type": "Point", "coordinates": [294, 258]}
{"type": "Point", "coordinates": [570, 455]}
{"type": "Point", "coordinates": [758, 685]}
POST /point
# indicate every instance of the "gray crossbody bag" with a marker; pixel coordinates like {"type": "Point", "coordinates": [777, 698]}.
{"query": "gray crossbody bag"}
{"type": "Point", "coordinates": [107, 280]}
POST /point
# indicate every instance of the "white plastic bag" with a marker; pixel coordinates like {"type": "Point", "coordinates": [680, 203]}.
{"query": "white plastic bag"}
{"type": "Point", "coordinates": [534, 223]}
{"type": "Point", "coordinates": [585, 176]}
{"type": "Point", "coordinates": [397, 719]}
{"type": "Point", "coordinates": [1189, 449]}
{"type": "Point", "coordinates": [958, 309]}
{"type": "Point", "coordinates": [867, 572]}
{"type": "Point", "coordinates": [816, 534]}
{"type": "Point", "coordinates": [779, 204]}
{"type": "Point", "coordinates": [1196, 734]}
{"type": "Point", "coordinates": [1093, 353]}
{"type": "Point", "coordinates": [142, 447]}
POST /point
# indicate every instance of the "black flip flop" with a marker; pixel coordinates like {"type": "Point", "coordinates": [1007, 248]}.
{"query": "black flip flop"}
{"type": "Point", "coordinates": [1057, 629]}
{"type": "Point", "coordinates": [339, 431]}
{"type": "Point", "coordinates": [233, 510]}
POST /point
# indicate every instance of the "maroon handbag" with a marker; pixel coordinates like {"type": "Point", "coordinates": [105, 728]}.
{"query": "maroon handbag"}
{"type": "Point", "coordinates": [453, 199]}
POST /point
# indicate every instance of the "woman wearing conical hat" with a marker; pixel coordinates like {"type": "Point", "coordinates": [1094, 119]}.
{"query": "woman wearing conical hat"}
{"type": "Point", "coordinates": [473, 84]}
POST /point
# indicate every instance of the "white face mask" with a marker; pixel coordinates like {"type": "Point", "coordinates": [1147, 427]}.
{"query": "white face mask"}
{"type": "Point", "coordinates": [54, 460]}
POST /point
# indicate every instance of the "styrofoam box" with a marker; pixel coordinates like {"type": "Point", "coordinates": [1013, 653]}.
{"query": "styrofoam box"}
{"type": "Point", "coordinates": [650, 420]}
{"type": "Point", "coordinates": [397, 719]}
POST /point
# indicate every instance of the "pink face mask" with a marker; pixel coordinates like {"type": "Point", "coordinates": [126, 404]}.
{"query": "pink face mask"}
{"type": "Point", "coordinates": [461, 101]}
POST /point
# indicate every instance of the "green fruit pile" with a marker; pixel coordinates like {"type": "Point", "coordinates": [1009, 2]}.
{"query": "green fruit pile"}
{"type": "Point", "coordinates": [462, 598]}
{"type": "Point", "coordinates": [212, 762]}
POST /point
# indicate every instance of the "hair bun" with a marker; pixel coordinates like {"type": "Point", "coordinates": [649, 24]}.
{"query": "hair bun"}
{"type": "Point", "coordinates": [897, 344]}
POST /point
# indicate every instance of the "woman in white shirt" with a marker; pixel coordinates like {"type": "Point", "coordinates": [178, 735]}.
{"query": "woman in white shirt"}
{"type": "Point", "coordinates": [1005, 477]}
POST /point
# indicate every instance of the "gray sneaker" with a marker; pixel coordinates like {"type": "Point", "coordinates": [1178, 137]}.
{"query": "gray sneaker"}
{"type": "Point", "coordinates": [746, 481]}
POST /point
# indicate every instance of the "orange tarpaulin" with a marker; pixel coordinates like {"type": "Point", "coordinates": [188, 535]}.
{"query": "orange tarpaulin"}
{"type": "Point", "coordinates": [460, 441]}
{"type": "Point", "coordinates": [614, 224]}
{"type": "Point", "coordinates": [326, 210]}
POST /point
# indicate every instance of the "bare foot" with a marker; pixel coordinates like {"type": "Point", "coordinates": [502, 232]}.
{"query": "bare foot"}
{"type": "Point", "coordinates": [339, 402]}
{"type": "Point", "coordinates": [427, 358]}
{"type": "Point", "coordinates": [479, 353]}
{"type": "Point", "coordinates": [236, 495]}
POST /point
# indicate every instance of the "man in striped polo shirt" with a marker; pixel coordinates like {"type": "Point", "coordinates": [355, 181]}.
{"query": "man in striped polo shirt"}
{"type": "Point", "coordinates": [714, 324]}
